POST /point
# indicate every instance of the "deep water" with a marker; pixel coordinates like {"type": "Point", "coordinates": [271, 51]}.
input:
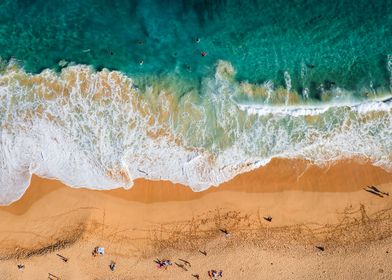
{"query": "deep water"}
{"type": "Point", "coordinates": [334, 42]}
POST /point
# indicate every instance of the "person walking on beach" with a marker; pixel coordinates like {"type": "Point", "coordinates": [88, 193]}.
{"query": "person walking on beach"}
{"type": "Point", "coordinates": [112, 265]}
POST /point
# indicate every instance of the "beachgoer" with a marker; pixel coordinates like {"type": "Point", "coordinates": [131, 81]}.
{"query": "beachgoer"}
{"type": "Point", "coordinates": [21, 267]}
{"type": "Point", "coordinates": [213, 274]}
{"type": "Point", "coordinates": [374, 188]}
{"type": "Point", "coordinates": [372, 191]}
{"type": "Point", "coordinates": [52, 276]}
{"type": "Point", "coordinates": [98, 251]}
{"type": "Point", "coordinates": [112, 265]}
{"type": "Point", "coordinates": [268, 218]}
{"type": "Point", "coordinates": [198, 40]}
{"type": "Point", "coordinates": [321, 248]}
{"type": "Point", "coordinates": [203, 54]}
{"type": "Point", "coordinates": [141, 62]}
{"type": "Point", "coordinates": [64, 259]}
{"type": "Point", "coordinates": [203, 252]}
{"type": "Point", "coordinates": [162, 263]}
{"type": "Point", "coordinates": [225, 232]}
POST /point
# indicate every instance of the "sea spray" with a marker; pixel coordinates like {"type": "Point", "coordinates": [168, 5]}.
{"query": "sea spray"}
{"type": "Point", "coordinates": [101, 130]}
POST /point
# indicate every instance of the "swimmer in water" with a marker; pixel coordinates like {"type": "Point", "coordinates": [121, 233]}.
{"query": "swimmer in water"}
{"type": "Point", "coordinates": [141, 62]}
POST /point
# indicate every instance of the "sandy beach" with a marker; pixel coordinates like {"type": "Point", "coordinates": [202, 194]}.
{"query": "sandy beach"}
{"type": "Point", "coordinates": [309, 205]}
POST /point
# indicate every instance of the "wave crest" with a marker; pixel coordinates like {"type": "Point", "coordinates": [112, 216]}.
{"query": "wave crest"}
{"type": "Point", "coordinates": [101, 130]}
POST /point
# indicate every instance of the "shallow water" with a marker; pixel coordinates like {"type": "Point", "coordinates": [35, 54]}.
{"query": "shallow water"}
{"type": "Point", "coordinates": [305, 79]}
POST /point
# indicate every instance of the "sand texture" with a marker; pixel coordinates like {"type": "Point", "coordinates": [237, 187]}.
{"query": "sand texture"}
{"type": "Point", "coordinates": [310, 206]}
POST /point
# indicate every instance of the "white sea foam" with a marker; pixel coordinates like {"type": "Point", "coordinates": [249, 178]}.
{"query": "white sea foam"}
{"type": "Point", "coordinates": [287, 80]}
{"type": "Point", "coordinates": [98, 130]}
{"type": "Point", "coordinates": [312, 110]}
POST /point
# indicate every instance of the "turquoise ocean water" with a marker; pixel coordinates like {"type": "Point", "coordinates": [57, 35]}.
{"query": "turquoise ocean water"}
{"type": "Point", "coordinates": [343, 43]}
{"type": "Point", "coordinates": [97, 93]}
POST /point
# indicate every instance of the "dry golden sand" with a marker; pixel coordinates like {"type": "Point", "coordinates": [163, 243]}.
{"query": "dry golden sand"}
{"type": "Point", "coordinates": [310, 206]}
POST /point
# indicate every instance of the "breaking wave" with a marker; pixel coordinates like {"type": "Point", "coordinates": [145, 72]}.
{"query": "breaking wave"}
{"type": "Point", "coordinates": [103, 129]}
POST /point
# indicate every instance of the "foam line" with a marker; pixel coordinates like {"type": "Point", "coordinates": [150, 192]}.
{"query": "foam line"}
{"type": "Point", "coordinates": [100, 130]}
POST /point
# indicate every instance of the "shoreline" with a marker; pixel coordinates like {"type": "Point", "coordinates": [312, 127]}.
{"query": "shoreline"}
{"type": "Point", "coordinates": [309, 206]}
{"type": "Point", "coordinates": [277, 176]}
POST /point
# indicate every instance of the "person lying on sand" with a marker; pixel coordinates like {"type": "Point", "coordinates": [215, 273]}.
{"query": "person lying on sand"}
{"type": "Point", "coordinates": [321, 248]}
{"type": "Point", "coordinates": [373, 191]}
{"type": "Point", "coordinates": [213, 274]}
{"type": "Point", "coordinates": [21, 267]}
{"type": "Point", "coordinates": [163, 263]}
{"type": "Point", "coordinates": [203, 252]}
{"type": "Point", "coordinates": [98, 251]}
{"type": "Point", "coordinates": [64, 259]}
{"type": "Point", "coordinates": [268, 218]}
{"type": "Point", "coordinates": [52, 277]}
{"type": "Point", "coordinates": [225, 232]}
{"type": "Point", "coordinates": [374, 188]}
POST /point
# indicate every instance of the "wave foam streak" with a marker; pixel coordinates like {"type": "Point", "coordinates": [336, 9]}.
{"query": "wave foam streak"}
{"type": "Point", "coordinates": [99, 130]}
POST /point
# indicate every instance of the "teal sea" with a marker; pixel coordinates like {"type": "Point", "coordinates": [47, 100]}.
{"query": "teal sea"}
{"type": "Point", "coordinates": [97, 93]}
{"type": "Point", "coordinates": [344, 43]}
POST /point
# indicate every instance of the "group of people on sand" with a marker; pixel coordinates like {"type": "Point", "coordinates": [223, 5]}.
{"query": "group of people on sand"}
{"type": "Point", "coordinates": [165, 263]}
{"type": "Point", "coordinates": [101, 251]}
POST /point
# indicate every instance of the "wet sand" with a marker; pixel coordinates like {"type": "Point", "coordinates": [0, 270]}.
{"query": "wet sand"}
{"type": "Point", "coordinates": [310, 206]}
